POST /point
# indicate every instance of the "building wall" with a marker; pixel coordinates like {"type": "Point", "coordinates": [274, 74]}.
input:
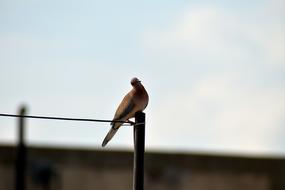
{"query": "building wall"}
{"type": "Point", "coordinates": [69, 169]}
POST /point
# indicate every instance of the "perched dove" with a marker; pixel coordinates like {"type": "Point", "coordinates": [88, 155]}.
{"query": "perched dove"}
{"type": "Point", "coordinates": [136, 100]}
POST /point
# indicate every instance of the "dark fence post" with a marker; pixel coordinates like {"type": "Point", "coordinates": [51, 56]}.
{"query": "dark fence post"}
{"type": "Point", "coordinates": [21, 153]}
{"type": "Point", "coordinates": [139, 146]}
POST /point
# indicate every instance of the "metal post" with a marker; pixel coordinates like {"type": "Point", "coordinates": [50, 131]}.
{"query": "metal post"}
{"type": "Point", "coordinates": [21, 153]}
{"type": "Point", "coordinates": [139, 146]}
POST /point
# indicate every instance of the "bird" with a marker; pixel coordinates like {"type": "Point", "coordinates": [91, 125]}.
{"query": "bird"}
{"type": "Point", "coordinates": [134, 101]}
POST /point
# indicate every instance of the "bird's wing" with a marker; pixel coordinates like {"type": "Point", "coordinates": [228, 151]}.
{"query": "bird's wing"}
{"type": "Point", "coordinates": [126, 106]}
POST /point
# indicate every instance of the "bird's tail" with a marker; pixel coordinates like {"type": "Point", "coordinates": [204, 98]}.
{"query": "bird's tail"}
{"type": "Point", "coordinates": [109, 136]}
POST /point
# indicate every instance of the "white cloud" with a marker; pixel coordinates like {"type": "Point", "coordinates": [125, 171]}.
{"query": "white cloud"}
{"type": "Point", "coordinates": [220, 115]}
{"type": "Point", "coordinates": [220, 35]}
{"type": "Point", "coordinates": [238, 108]}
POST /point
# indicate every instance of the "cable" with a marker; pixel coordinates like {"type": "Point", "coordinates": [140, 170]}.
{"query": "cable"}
{"type": "Point", "coordinates": [67, 118]}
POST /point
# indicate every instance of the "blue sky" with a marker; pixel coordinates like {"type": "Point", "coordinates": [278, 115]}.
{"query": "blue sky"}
{"type": "Point", "coordinates": [215, 71]}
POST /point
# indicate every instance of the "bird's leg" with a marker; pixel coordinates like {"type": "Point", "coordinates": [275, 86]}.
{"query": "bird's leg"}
{"type": "Point", "coordinates": [131, 122]}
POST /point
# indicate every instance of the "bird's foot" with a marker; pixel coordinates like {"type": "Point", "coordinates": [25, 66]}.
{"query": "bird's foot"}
{"type": "Point", "coordinates": [131, 122]}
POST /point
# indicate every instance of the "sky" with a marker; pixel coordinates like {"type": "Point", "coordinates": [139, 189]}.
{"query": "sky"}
{"type": "Point", "coordinates": [214, 71]}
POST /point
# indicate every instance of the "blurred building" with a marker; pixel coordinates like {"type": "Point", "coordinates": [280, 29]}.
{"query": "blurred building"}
{"type": "Point", "coordinates": [71, 169]}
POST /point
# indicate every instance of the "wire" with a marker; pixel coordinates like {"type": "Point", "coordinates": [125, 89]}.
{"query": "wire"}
{"type": "Point", "coordinates": [67, 118]}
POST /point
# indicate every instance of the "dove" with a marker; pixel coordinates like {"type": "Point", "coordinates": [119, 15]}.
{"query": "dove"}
{"type": "Point", "coordinates": [136, 100]}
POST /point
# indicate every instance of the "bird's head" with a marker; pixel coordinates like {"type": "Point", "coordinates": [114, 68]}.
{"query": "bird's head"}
{"type": "Point", "coordinates": [135, 81]}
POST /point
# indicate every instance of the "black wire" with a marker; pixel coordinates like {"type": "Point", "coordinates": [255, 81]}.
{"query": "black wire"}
{"type": "Point", "coordinates": [67, 118]}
